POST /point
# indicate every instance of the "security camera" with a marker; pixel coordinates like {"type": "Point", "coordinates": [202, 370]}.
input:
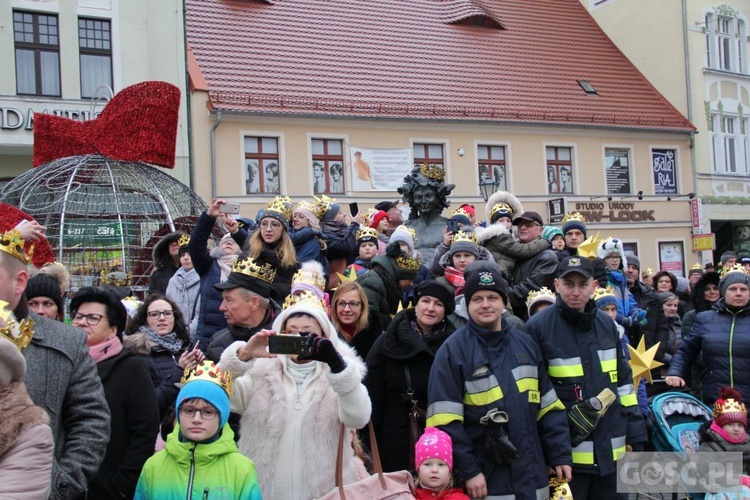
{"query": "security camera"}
{"type": "Point", "coordinates": [461, 152]}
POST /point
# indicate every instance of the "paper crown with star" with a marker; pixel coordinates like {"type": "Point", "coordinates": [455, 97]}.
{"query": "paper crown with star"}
{"type": "Point", "coordinates": [12, 244]}
{"type": "Point", "coordinates": [280, 205]}
{"type": "Point", "coordinates": [183, 240]}
{"type": "Point", "coordinates": [466, 236]}
{"type": "Point", "coordinates": [18, 333]}
{"type": "Point", "coordinates": [573, 216]}
{"type": "Point", "coordinates": [210, 372]}
{"type": "Point", "coordinates": [305, 297]}
{"type": "Point", "coordinates": [433, 172]}
{"type": "Point", "coordinates": [590, 246]}
{"type": "Point", "coordinates": [249, 267]}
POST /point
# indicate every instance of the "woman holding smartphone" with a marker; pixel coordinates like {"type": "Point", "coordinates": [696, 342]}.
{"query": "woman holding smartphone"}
{"type": "Point", "coordinates": [293, 406]}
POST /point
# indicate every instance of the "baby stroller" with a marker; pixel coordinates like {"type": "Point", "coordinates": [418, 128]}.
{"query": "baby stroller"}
{"type": "Point", "coordinates": [676, 420]}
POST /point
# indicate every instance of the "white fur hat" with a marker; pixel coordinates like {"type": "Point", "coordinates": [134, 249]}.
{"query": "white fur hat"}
{"type": "Point", "coordinates": [499, 197]}
{"type": "Point", "coordinates": [612, 246]}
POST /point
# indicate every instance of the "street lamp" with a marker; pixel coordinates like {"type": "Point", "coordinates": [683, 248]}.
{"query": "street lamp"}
{"type": "Point", "coordinates": [487, 187]}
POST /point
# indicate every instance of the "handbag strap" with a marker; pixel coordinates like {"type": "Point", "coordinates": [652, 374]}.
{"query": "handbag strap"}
{"type": "Point", "coordinates": [375, 460]}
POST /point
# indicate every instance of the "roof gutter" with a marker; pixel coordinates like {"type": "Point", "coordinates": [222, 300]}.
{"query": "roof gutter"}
{"type": "Point", "coordinates": [213, 153]}
{"type": "Point", "coordinates": [689, 91]}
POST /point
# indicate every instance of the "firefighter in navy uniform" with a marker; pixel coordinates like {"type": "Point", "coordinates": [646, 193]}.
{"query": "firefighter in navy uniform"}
{"type": "Point", "coordinates": [583, 357]}
{"type": "Point", "coordinates": [488, 390]}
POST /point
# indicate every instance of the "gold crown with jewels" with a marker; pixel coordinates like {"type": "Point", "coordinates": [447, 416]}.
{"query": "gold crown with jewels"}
{"type": "Point", "coordinates": [18, 333]}
{"type": "Point", "coordinates": [466, 236]}
{"type": "Point", "coordinates": [461, 211]}
{"type": "Point", "coordinates": [210, 372]}
{"type": "Point", "coordinates": [304, 297]}
{"type": "Point", "coordinates": [282, 205]}
{"type": "Point", "coordinates": [325, 203]}
{"type": "Point", "coordinates": [406, 261]}
{"type": "Point", "coordinates": [249, 267]}
{"type": "Point", "coordinates": [115, 278]}
{"type": "Point", "coordinates": [432, 172]}
{"type": "Point", "coordinates": [367, 232]}
{"type": "Point", "coordinates": [183, 240]}
{"type": "Point", "coordinates": [600, 293]}
{"type": "Point", "coordinates": [573, 216]}
{"type": "Point", "coordinates": [728, 406]}
{"type": "Point", "coordinates": [542, 293]}
{"type": "Point", "coordinates": [12, 244]}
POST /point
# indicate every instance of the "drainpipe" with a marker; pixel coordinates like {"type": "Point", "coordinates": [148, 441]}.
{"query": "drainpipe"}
{"type": "Point", "coordinates": [213, 154]}
{"type": "Point", "coordinates": [191, 172]}
{"type": "Point", "coordinates": [689, 91]}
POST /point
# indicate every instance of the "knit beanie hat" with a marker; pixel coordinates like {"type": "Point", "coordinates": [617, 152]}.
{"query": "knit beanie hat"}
{"type": "Point", "coordinates": [208, 382]}
{"type": "Point", "coordinates": [696, 269]}
{"type": "Point", "coordinates": [665, 296]}
{"type": "Point", "coordinates": [332, 212]}
{"type": "Point", "coordinates": [727, 256]}
{"type": "Point", "coordinates": [634, 260]}
{"type": "Point", "coordinates": [433, 288]}
{"type": "Point", "coordinates": [12, 362]}
{"type": "Point", "coordinates": [574, 221]}
{"type": "Point", "coordinates": [434, 443]}
{"type": "Point", "coordinates": [464, 241]}
{"type": "Point", "coordinates": [735, 274]}
{"type": "Point", "coordinates": [376, 218]}
{"type": "Point", "coordinates": [405, 234]}
{"type": "Point", "coordinates": [484, 275]}
{"type": "Point", "coordinates": [44, 285]}
{"type": "Point", "coordinates": [500, 210]}
{"type": "Point", "coordinates": [549, 233]}
{"type": "Point", "coordinates": [729, 407]}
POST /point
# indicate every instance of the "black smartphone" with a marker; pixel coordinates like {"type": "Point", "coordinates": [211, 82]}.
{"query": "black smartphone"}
{"type": "Point", "coordinates": [354, 208]}
{"type": "Point", "coordinates": [452, 226]}
{"type": "Point", "coordinates": [288, 344]}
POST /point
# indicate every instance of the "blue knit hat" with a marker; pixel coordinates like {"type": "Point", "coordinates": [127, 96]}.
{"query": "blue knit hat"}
{"type": "Point", "coordinates": [202, 383]}
{"type": "Point", "coordinates": [574, 224]}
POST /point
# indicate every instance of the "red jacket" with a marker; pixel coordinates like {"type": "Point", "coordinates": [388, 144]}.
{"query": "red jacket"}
{"type": "Point", "coordinates": [452, 494]}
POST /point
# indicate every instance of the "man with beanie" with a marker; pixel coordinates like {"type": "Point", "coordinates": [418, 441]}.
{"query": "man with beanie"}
{"type": "Point", "coordinates": [201, 455]}
{"type": "Point", "coordinates": [489, 392]}
{"type": "Point", "coordinates": [44, 297]}
{"type": "Point", "coordinates": [62, 378]}
{"type": "Point", "coordinates": [722, 336]}
{"type": "Point", "coordinates": [727, 259]}
{"type": "Point", "coordinates": [583, 357]}
{"type": "Point", "coordinates": [695, 273]}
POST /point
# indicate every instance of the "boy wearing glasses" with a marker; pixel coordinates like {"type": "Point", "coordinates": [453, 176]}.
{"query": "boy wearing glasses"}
{"type": "Point", "coordinates": [201, 457]}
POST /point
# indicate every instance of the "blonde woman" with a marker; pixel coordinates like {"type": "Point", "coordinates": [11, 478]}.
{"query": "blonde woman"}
{"type": "Point", "coordinates": [350, 314]}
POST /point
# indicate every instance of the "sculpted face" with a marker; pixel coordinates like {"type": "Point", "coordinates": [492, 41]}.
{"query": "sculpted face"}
{"type": "Point", "coordinates": [425, 199]}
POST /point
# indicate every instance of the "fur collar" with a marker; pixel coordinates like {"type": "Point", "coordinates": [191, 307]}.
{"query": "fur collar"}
{"type": "Point", "coordinates": [17, 413]}
{"type": "Point", "coordinates": [138, 343]}
{"type": "Point", "coordinates": [484, 234]}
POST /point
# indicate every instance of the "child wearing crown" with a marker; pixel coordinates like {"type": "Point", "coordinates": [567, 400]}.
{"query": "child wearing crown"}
{"type": "Point", "coordinates": [201, 457]}
{"type": "Point", "coordinates": [728, 430]}
{"type": "Point", "coordinates": [367, 244]}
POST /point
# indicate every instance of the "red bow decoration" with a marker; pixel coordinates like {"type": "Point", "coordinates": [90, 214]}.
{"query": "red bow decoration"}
{"type": "Point", "coordinates": [10, 216]}
{"type": "Point", "coordinates": [138, 125]}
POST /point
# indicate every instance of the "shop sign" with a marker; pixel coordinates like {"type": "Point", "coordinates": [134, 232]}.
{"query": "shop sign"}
{"type": "Point", "coordinates": [702, 242]}
{"type": "Point", "coordinates": [613, 212]}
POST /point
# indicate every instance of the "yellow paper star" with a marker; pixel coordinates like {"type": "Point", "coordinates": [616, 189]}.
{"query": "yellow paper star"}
{"type": "Point", "coordinates": [589, 247]}
{"type": "Point", "coordinates": [642, 361]}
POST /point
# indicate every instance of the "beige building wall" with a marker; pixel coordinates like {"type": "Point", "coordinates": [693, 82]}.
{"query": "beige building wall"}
{"type": "Point", "coordinates": [665, 221]}
{"type": "Point", "coordinates": [147, 44]}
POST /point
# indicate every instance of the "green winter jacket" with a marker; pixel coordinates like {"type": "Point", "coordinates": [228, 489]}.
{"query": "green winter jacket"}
{"type": "Point", "coordinates": [188, 470]}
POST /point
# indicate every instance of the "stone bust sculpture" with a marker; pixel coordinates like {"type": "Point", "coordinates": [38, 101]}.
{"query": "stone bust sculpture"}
{"type": "Point", "coordinates": [426, 193]}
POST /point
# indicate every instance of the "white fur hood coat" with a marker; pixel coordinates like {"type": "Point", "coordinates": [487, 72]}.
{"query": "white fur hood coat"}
{"type": "Point", "coordinates": [294, 449]}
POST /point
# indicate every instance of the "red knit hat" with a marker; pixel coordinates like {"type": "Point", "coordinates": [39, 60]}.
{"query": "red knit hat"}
{"type": "Point", "coordinates": [729, 407]}
{"type": "Point", "coordinates": [377, 217]}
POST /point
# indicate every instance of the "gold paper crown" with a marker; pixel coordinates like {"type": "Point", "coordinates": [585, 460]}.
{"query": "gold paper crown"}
{"type": "Point", "coordinates": [281, 205]}
{"type": "Point", "coordinates": [729, 405]}
{"type": "Point", "coordinates": [249, 267]}
{"type": "Point", "coordinates": [18, 333]}
{"type": "Point", "coordinates": [461, 211]}
{"type": "Point", "coordinates": [573, 216]}
{"type": "Point", "coordinates": [309, 277]}
{"type": "Point", "coordinates": [737, 268]}
{"type": "Point", "coordinates": [559, 490]}
{"type": "Point", "coordinates": [210, 372]}
{"type": "Point", "coordinates": [600, 293]}
{"type": "Point", "coordinates": [183, 240]}
{"type": "Point", "coordinates": [433, 172]}
{"type": "Point", "coordinates": [501, 207]}
{"type": "Point", "coordinates": [115, 278]}
{"type": "Point", "coordinates": [408, 230]}
{"type": "Point", "coordinates": [367, 231]}
{"type": "Point", "coordinates": [648, 272]}
{"type": "Point", "coordinates": [304, 297]}
{"type": "Point", "coordinates": [405, 261]}
{"type": "Point", "coordinates": [314, 208]}
{"type": "Point", "coordinates": [697, 266]}
{"type": "Point", "coordinates": [12, 244]}
{"type": "Point", "coordinates": [367, 219]}
{"type": "Point", "coordinates": [468, 236]}
{"type": "Point", "coordinates": [324, 202]}
{"type": "Point", "coordinates": [542, 293]}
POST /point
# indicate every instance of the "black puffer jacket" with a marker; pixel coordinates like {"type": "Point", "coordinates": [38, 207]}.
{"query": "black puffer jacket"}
{"type": "Point", "coordinates": [162, 364]}
{"type": "Point", "coordinates": [223, 338]}
{"type": "Point", "coordinates": [163, 264]}
{"type": "Point", "coordinates": [399, 347]}
{"type": "Point", "coordinates": [722, 335]}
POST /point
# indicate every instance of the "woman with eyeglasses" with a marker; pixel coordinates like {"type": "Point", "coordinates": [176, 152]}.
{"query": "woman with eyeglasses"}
{"type": "Point", "coordinates": [350, 314]}
{"type": "Point", "coordinates": [134, 413]}
{"type": "Point", "coordinates": [159, 335]}
{"type": "Point", "coordinates": [398, 368]}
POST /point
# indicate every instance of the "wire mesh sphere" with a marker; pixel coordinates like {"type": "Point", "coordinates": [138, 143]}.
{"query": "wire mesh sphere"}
{"type": "Point", "coordinates": [103, 214]}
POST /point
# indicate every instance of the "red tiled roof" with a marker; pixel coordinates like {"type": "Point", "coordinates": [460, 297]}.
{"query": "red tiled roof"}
{"type": "Point", "coordinates": [412, 60]}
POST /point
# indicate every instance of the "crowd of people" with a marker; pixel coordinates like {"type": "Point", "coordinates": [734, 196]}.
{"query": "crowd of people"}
{"type": "Point", "coordinates": [498, 362]}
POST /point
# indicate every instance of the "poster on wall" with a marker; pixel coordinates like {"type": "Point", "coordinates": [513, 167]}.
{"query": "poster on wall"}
{"type": "Point", "coordinates": [671, 257]}
{"type": "Point", "coordinates": [664, 167]}
{"type": "Point", "coordinates": [379, 169]}
{"type": "Point", "coordinates": [617, 163]}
